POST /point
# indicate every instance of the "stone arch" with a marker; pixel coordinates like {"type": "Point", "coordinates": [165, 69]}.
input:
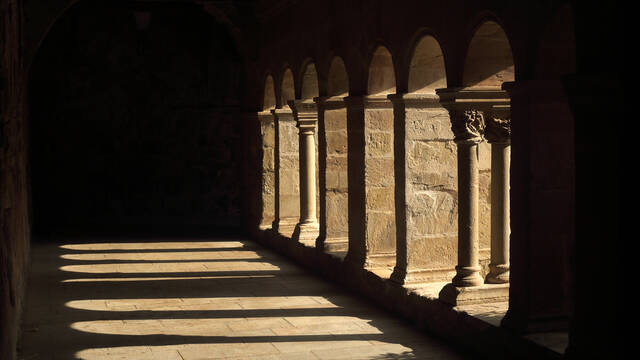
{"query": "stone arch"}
{"type": "Point", "coordinates": [557, 50]}
{"type": "Point", "coordinates": [269, 99]}
{"type": "Point", "coordinates": [287, 89]}
{"type": "Point", "coordinates": [309, 83]}
{"type": "Point", "coordinates": [427, 70]}
{"type": "Point", "coordinates": [338, 80]}
{"type": "Point", "coordinates": [489, 60]}
{"type": "Point", "coordinates": [382, 78]}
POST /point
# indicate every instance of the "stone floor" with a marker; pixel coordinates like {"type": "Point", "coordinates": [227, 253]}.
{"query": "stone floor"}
{"type": "Point", "coordinates": [226, 298]}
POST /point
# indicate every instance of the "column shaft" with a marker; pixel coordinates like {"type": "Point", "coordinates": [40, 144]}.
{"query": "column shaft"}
{"type": "Point", "coordinates": [307, 178]}
{"type": "Point", "coordinates": [468, 269]}
{"type": "Point", "coordinates": [500, 226]}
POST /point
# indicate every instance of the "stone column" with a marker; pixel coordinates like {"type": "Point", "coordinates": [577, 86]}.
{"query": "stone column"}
{"type": "Point", "coordinates": [498, 134]}
{"type": "Point", "coordinates": [287, 206]}
{"type": "Point", "coordinates": [332, 171]}
{"type": "Point", "coordinates": [267, 184]}
{"type": "Point", "coordinates": [467, 126]}
{"type": "Point", "coordinates": [468, 109]}
{"type": "Point", "coordinates": [306, 116]}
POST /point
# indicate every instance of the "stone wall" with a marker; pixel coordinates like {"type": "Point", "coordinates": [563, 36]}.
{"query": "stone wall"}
{"type": "Point", "coordinates": [14, 195]}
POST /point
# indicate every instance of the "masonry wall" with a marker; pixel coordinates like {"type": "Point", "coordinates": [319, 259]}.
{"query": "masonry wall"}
{"type": "Point", "coordinates": [14, 194]}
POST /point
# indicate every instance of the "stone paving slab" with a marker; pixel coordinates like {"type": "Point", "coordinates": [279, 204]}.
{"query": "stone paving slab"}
{"type": "Point", "coordinates": [186, 300]}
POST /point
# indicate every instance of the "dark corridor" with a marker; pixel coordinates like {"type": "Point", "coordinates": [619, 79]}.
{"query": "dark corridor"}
{"type": "Point", "coordinates": [133, 121]}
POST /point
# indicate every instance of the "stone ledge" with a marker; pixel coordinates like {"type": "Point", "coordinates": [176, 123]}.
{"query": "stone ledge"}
{"type": "Point", "coordinates": [486, 293]}
{"type": "Point", "coordinates": [421, 306]}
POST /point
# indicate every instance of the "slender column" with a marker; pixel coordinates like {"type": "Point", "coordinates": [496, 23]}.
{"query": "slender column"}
{"type": "Point", "coordinates": [467, 127]}
{"type": "Point", "coordinates": [306, 116]}
{"type": "Point", "coordinates": [498, 133]}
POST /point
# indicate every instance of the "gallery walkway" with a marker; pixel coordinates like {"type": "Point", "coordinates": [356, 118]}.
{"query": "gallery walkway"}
{"type": "Point", "coordinates": [200, 299]}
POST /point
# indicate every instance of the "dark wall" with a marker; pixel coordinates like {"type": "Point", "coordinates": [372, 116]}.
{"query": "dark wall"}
{"type": "Point", "coordinates": [134, 121]}
{"type": "Point", "coordinates": [14, 203]}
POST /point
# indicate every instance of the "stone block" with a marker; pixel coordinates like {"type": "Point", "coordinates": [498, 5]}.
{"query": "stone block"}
{"type": "Point", "coordinates": [337, 215]}
{"type": "Point", "coordinates": [289, 162]}
{"type": "Point", "coordinates": [484, 186]}
{"type": "Point", "coordinates": [381, 232]}
{"type": "Point", "coordinates": [432, 164]}
{"type": "Point", "coordinates": [335, 120]}
{"type": "Point", "coordinates": [428, 124]}
{"type": "Point", "coordinates": [433, 252]}
{"type": "Point", "coordinates": [432, 212]}
{"type": "Point", "coordinates": [482, 294]}
{"type": "Point", "coordinates": [380, 199]}
{"type": "Point", "coordinates": [337, 142]}
{"type": "Point", "coordinates": [336, 180]}
{"type": "Point", "coordinates": [379, 172]}
{"type": "Point", "coordinates": [379, 144]}
{"type": "Point", "coordinates": [379, 119]}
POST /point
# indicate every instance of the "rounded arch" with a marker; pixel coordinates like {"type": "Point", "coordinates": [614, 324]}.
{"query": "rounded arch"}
{"type": "Point", "coordinates": [489, 60]}
{"type": "Point", "coordinates": [269, 99]}
{"type": "Point", "coordinates": [287, 87]}
{"type": "Point", "coordinates": [338, 79]}
{"type": "Point", "coordinates": [427, 70]}
{"type": "Point", "coordinates": [309, 82]}
{"type": "Point", "coordinates": [557, 50]}
{"type": "Point", "coordinates": [382, 78]}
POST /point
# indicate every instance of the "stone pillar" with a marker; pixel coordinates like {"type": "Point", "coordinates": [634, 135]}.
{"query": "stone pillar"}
{"type": "Point", "coordinates": [306, 116]}
{"type": "Point", "coordinates": [332, 150]}
{"type": "Point", "coordinates": [267, 184]}
{"type": "Point", "coordinates": [542, 206]}
{"type": "Point", "coordinates": [425, 186]}
{"type": "Point", "coordinates": [287, 206]}
{"type": "Point", "coordinates": [468, 109]}
{"type": "Point", "coordinates": [498, 134]}
{"type": "Point", "coordinates": [372, 239]}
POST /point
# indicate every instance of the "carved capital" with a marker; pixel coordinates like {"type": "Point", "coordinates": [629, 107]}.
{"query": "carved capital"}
{"type": "Point", "coordinates": [499, 125]}
{"type": "Point", "coordinates": [467, 125]}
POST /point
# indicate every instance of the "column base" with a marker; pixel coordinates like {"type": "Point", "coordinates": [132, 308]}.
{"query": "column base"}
{"type": "Point", "coordinates": [498, 274]}
{"type": "Point", "coordinates": [307, 233]}
{"type": "Point", "coordinates": [416, 276]}
{"type": "Point", "coordinates": [486, 293]}
{"type": "Point", "coordinates": [285, 226]}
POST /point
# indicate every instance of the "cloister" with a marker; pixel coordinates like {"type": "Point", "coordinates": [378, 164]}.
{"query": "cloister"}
{"type": "Point", "coordinates": [439, 160]}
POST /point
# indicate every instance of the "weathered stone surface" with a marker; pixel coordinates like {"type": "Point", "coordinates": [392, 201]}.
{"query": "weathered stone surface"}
{"type": "Point", "coordinates": [379, 144]}
{"type": "Point", "coordinates": [337, 142]}
{"type": "Point", "coordinates": [380, 199]}
{"type": "Point", "coordinates": [432, 165]}
{"type": "Point", "coordinates": [428, 124]}
{"type": "Point", "coordinates": [484, 213]}
{"type": "Point", "coordinates": [379, 119]}
{"type": "Point", "coordinates": [433, 212]}
{"type": "Point", "coordinates": [335, 120]}
{"type": "Point", "coordinates": [337, 180]}
{"type": "Point", "coordinates": [337, 221]}
{"type": "Point", "coordinates": [434, 252]}
{"type": "Point", "coordinates": [380, 232]}
{"type": "Point", "coordinates": [379, 172]}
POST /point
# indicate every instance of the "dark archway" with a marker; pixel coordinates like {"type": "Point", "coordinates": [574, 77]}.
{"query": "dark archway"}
{"type": "Point", "coordinates": [134, 125]}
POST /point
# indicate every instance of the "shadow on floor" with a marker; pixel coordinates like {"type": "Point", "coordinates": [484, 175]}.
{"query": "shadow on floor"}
{"type": "Point", "coordinates": [199, 298]}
